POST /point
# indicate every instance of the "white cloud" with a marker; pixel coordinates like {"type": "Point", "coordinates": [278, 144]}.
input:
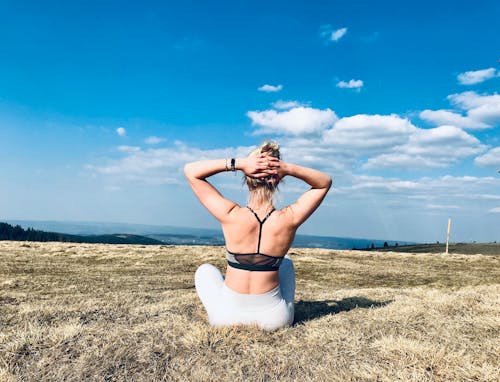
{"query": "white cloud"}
{"type": "Point", "coordinates": [489, 197]}
{"type": "Point", "coordinates": [336, 35]}
{"type": "Point", "coordinates": [443, 138]}
{"type": "Point", "coordinates": [470, 100]}
{"type": "Point", "coordinates": [351, 84]}
{"type": "Point", "coordinates": [128, 149]}
{"type": "Point", "coordinates": [154, 140]}
{"type": "Point", "coordinates": [296, 121]}
{"type": "Point", "coordinates": [446, 117]}
{"type": "Point", "coordinates": [285, 105]}
{"type": "Point", "coordinates": [429, 148]}
{"type": "Point", "coordinates": [121, 131]}
{"type": "Point", "coordinates": [401, 161]}
{"type": "Point", "coordinates": [482, 111]}
{"type": "Point", "coordinates": [476, 76]}
{"type": "Point", "coordinates": [270, 88]}
{"type": "Point", "coordinates": [445, 187]}
{"type": "Point", "coordinates": [491, 158]}
{"type": "Point", "coordinates": [444, 207]}
{"type": "Point", "coordinates": [378, 182]}
{"type": "Point", "coordinates": [480, 107]}
{"type": "Point", "coordinates": [313, 152]}
{"type": "Point", "coordinates": [329, 34]}
{"type": "Point", "coordinates": [495, 210]}
{"type": "Point", "coordinates": [369, 133]}
{"type": "Point", "coordinates": [336, 145]}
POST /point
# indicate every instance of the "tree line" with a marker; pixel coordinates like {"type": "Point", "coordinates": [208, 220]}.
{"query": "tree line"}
{"type": "Point", "coordinates": [10, 232]}
{"type": "Point", "coordinates": [18, 233]}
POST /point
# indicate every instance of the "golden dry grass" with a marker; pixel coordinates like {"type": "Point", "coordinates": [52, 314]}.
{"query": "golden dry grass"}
{"type": "Point", "coordinates": [122, 312]}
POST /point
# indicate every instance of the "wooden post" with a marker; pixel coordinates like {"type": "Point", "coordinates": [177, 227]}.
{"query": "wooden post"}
{"type": "Point", "coordinates": [448, 234]}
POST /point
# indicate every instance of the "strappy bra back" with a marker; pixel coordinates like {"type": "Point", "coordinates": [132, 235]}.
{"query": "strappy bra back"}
{"type": "Point", "coordinates": [256, 261]}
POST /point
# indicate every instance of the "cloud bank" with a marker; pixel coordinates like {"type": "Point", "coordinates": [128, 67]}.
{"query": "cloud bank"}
{"type": "Point", "coordinates": [363, 141]}
{"type": "Point", "coordinates": [491, 158]}
{"type": "Point", "coordinates": [481, 111]}
{"type": "Point", "coordinates": [350, 144]}
{"type": "Point", "coordinates": [157, 166]}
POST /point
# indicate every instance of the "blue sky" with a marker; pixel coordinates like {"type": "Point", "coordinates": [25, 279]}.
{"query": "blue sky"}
{"type": "Point", "coordinates": [101, 104]}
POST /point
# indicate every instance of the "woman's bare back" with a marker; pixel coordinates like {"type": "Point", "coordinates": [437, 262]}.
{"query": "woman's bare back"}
{"type": "Point", "coordinates": [241, 232]}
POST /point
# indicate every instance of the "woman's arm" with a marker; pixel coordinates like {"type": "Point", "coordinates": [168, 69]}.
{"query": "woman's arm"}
{"type": "Point", "coordinates": [307, 203]}
{"type": "Point", "coordinates": [197, 172]}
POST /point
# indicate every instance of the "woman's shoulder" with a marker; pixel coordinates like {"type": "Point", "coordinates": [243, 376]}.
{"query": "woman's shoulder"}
{"type": "Point", "coordinates": [285, 212]}
{"type": "Point", "coordinates": [236, 211]}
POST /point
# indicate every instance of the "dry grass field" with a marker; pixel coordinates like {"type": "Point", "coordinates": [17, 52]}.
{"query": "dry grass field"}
{"type": "Point", "coordinates": [96, 312]}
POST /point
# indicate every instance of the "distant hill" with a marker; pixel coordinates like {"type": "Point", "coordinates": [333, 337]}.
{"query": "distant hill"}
{"type": "Point", "coordinates": [105, 228]}
{"type": "Point", "coordinates": [215, 238]}
{"type": "Point", "coordinates": [191, 236]}
{"type": "Point", "coordinates": [10, 232]}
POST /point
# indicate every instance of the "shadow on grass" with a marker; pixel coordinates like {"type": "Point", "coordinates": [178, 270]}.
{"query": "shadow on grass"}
{"type": "Point", "coordinates": [309, 310]}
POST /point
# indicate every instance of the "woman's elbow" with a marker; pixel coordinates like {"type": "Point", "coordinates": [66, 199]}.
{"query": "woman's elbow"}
{"type": "Point", "coordinates": [188, 170]}
{"type": "Point", "coordinates": [328, 183]}
{"type": "Point", "coordinates": [324, 183]}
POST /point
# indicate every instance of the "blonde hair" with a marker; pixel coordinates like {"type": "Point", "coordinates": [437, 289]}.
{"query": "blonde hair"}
{"type": "Point", "coordinates": [263, 189]}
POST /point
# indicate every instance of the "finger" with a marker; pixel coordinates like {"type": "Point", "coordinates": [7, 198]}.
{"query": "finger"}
{"type": "Point", "coordinates": [272, 160]}
{"type": "Point", "coordinates": [260, 175]}
{"type": "Point", "coordinates": [270, 171]}
{"type": "Point", "coordinates": [261, 161]}
{"type": "Point", "coordinates": [274, 166]}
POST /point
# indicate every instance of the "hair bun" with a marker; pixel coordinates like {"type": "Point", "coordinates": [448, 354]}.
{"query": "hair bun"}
{"type": "Point", "coordinates": [264, 188]}
{"type": "Point", "coordinates": [271, 148]}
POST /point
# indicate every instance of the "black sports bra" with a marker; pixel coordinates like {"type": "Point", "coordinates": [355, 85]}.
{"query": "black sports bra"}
{"type": "Point", "coordinates": [254, 261]}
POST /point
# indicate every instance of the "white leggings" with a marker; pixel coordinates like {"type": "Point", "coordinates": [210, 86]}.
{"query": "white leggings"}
{"type": "Point", "coordinates": [271, 310]}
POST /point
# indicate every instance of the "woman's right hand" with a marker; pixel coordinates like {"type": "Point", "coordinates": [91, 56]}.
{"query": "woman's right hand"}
{"type": "Point", "coordinates": [259, 166]}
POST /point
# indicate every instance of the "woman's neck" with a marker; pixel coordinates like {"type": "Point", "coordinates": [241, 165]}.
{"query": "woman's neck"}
{"type": "Point", "coordinates": [260, 205]}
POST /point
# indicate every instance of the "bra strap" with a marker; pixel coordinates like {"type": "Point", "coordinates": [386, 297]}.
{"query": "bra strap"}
{"type": "Point", "coordinates": [261, 222]}
{"type": "Point", "coordinates": [257, 216]}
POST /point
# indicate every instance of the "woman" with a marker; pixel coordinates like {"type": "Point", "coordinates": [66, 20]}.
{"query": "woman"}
{"type": "Point", "coordinates": [259, 286]}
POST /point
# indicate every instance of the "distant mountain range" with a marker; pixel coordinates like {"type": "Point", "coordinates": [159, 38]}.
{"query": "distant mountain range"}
{"type": "Point", "coordinates": [154, 234]}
